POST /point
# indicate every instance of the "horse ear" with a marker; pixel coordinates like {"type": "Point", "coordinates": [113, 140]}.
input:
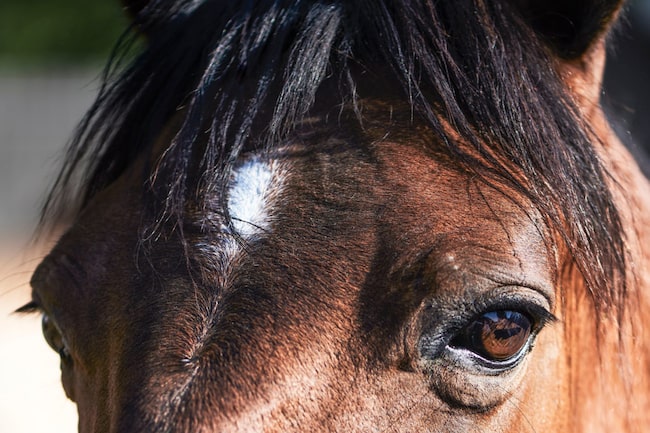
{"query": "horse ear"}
{"type": "Point", "coordinates": [570, 27]}
{"type": "Point", "coordinates": [575, 31]}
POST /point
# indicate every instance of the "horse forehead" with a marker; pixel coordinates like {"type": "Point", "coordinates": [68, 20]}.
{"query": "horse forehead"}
{"type": "Point", "coordinates": [406, 184]}
{"type": "Point", "coordinates": [398, 188]}
{"type": "Point", "coordinates": [470, 230]}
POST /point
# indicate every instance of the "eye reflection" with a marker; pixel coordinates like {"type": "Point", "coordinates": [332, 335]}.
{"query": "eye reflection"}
{"type": "Point", "coordinates": [496, 335]}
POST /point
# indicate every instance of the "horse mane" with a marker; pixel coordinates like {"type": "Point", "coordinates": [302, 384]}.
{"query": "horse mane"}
{"type": "Point", "coordinates": [231, 66]}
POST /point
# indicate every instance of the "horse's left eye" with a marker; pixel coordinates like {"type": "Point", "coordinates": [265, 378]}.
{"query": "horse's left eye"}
{"type": "Point", "coordinates": [54, 338]}
{"type": "Point", "coordinates": [496, 336]}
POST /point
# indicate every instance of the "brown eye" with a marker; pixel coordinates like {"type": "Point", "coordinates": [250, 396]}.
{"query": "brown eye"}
{"type": "Point", "coordinates": [497, 336]}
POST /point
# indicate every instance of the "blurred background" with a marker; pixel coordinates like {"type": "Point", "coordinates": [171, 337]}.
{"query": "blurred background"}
{"type": "Point", "coordinates": [51, 55]}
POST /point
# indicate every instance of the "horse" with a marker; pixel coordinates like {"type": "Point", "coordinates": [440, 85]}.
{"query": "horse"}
{"type": "Point", "coordinates": [369, 216]}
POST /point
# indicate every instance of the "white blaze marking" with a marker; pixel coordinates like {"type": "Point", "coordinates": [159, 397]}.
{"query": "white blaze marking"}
{"type": "Point", "coordinates": [253, 192]}
{"type": "Point", "coordinates": [255, 185]}
{"type": "Point", "coordinates": [254, 188]}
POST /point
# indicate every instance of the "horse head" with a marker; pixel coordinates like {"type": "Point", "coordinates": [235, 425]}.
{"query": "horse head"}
{"type": "Point", "coordinates": [380, 216]}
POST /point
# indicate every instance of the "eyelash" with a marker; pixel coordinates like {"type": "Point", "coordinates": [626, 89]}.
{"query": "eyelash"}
{"type": "Point", "coordinates": [540, 315]}
{"type": "Point", "coordinates": [29, 308]}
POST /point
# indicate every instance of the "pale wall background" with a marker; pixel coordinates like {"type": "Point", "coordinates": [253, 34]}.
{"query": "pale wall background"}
{"type": "Point", "coordinates": [50, 53]}
{"type": "Point", "coordinates": [37, 113]}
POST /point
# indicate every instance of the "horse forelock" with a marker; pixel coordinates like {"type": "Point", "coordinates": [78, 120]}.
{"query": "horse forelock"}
{"type": "Point", "coordinates": [238, 71]}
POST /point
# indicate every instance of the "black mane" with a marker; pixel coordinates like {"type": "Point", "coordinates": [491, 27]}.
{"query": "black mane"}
{"type": "Point", "coordinates": [236, 65]}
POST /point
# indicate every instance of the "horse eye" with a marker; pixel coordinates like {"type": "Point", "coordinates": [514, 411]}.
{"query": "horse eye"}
{"type": "Point", "coordinates": [54, 338]}
{"type": "Point", "coordinates": [497, 336]}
